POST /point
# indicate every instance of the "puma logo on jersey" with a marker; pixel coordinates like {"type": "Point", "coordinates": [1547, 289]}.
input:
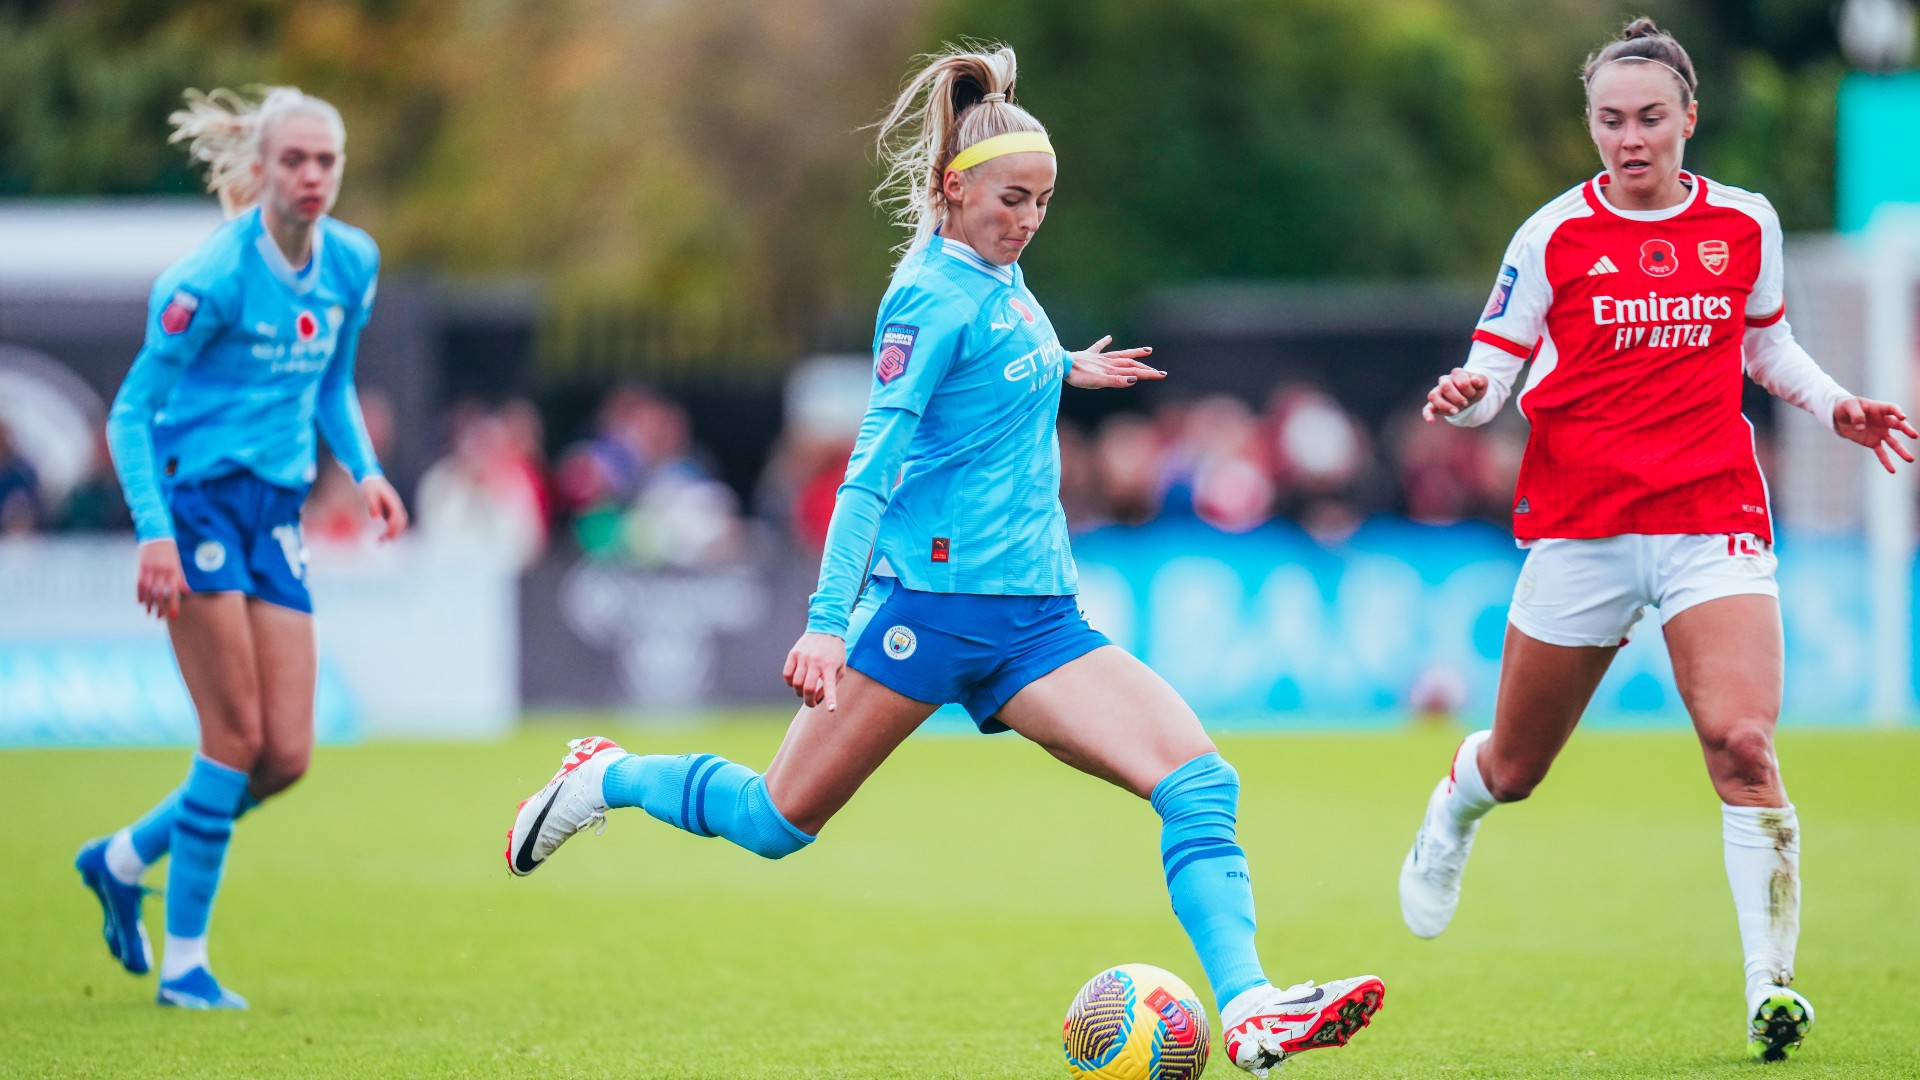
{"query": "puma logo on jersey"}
{"type": "Point", "coordinates": [1604, 266]}
{"type": "Point", "coordinates": [998, 325]}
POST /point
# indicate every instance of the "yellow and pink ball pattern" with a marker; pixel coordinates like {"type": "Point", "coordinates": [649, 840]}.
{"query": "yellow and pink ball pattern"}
{"type": "Point", "coordinates": [1136, 1022]}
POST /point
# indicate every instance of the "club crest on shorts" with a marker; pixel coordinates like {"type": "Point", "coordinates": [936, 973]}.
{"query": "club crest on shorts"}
{"type": "Point", "coordinates": [896, 349]}
{"type": "Point", "coordinates": [1714, 255]}
{"type": "Point", "coordinates": [211, 555]}
{"type": "Point", "coordinates": [1658, 259]}
{"type": "Point", "coordinates": [899, 642]}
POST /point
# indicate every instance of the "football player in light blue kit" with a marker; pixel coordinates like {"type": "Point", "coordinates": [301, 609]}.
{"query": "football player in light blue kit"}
{"type": "Point", "coordinates": [947, 577]}
{"type": "Point", "coordinates": [250, 343]}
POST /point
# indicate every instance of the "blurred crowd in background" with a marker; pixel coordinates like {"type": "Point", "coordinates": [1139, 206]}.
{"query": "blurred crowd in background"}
{"type": "Point", "coordinates": [638, 486]}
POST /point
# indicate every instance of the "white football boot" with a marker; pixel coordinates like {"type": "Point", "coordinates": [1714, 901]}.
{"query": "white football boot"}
{"type": "Point", "coordinates": [1430, 878]}
{"type": "Point", "coordinates": [569, 802]}
{"type": "Point", "coordinates": [1777, 1020]}
{"type": "Point", "coordinates": [1267, 1025]}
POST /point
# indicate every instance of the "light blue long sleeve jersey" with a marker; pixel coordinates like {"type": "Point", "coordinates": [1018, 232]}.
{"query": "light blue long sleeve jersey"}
{"type": "Point", "coordinates": [244, 353]}
{"type": "Point", "coordinates": [965, 398]}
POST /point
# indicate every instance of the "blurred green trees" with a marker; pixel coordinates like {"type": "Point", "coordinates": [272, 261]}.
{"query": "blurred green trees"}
{"type": "Point", "coordinates": [704, 163]}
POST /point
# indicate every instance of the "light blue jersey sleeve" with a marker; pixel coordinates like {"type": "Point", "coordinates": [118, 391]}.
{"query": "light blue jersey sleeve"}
{"type": "Point", "coordinates": [921, 333]}
{"type": "Point", "coordinates": [183, 315]}
{"type": "Point", "coordinates": [337, 407]}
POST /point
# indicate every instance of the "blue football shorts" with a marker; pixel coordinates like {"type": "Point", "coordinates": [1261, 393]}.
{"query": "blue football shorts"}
{"type": "Point", "coordinates": [975, 650]}
{"type": "Point", "coordinates": [239, 533]}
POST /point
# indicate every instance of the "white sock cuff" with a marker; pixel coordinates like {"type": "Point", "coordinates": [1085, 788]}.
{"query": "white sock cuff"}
{"type": "Point", "coordinates": [182, 955]}
{"type": "Point", "coordinates": [1468, 784]}
{"type": "Point", "coordinates": [1776, 827]}
{"type": "Point", "coordinates": [123, 861]}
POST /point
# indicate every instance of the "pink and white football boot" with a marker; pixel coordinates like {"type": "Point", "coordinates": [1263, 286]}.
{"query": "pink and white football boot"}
{"type": "Point", "coordinates": [569, 802]}
{"type": "Point", "coordinates": [1267, 1025]}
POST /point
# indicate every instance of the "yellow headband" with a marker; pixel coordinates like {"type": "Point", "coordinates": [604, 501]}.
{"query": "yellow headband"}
{"type": "Point", "coordinates": [1018, 142]}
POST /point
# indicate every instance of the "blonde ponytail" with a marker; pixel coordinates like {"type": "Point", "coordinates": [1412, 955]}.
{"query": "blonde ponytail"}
{"type": "Point", "coordinates": [958, 98]}
{"type": "Point", "coordinates": [228, 132]}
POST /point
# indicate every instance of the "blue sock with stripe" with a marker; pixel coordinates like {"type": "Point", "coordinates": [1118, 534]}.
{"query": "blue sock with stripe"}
{"type": "Point", "coordinates": [1207, 872]}
{"type": "Point", "coordinates": [707, 796]}
{"type": "Point", "coordinates": [202, 826]}
{"type": "Point", "coordinates": [152, 835]}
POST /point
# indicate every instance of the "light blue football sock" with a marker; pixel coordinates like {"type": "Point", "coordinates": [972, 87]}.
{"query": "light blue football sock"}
{"type": "Point", "coordinates": [202, 826]}
{"type": "Point", "coordinates": [707, 796]}
{"type": "Point", "coordinates": [152, 835]}
{"type": "Point", "coordinates": [1207, 871]}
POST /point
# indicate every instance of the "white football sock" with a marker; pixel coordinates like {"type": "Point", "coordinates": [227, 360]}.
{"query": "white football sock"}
{"type": "Point", "coordinates": [1467, 799]}
{"type": "Point", "coordinates": [182, 955]}
{"type": "Point", "coordinates": [123, 862]}
{"type": "Point", "coordinates": [1763, 869]}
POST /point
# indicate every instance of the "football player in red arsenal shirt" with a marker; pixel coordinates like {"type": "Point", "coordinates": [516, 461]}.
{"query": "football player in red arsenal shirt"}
{"type": "Point", "coordinates": [1644, 297]}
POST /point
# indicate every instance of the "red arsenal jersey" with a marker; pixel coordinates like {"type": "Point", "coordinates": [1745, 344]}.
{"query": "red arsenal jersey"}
{"type": "Point", "coordinates": [1634, 321]}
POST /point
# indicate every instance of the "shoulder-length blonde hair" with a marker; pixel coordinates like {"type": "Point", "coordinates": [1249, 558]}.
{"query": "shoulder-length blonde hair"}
{"type": "Point", "coordinates": [228, 131]}
{"type": "Point", "coordinates": [957, 98]}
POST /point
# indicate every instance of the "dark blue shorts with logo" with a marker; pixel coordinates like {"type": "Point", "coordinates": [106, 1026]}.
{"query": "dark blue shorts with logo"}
{"type": "Point", "coordinates": [975, 650]}
{"type": "Point", "coordinates": [239, 533]}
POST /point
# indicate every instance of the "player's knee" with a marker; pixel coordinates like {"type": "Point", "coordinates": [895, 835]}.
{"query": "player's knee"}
{"type": "Point", "coordinates": [1205, 783]}
{"type": "Point", "coordinates": [1509, 781]}
{"type": "Point", "coordinates": [770, 833]}
{"type": "Point", "coordinates": [1742, 758]}
{"type": "Point", "coordinates": [277, 770]}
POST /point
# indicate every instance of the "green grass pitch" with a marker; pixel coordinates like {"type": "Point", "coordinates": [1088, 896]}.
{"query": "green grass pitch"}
{"type": "Point", "coordinates": [941, 924]}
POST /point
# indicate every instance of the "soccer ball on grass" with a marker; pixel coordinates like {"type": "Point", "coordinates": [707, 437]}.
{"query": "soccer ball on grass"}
{"type": "Point", "coordinates": [1136, 1022]}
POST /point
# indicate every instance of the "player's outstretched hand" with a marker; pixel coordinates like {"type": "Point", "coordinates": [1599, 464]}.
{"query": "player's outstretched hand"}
{"type": "Point", "coordinates": [384, 505]}
{"type": "Point", "coordinates": [1872, 424]}
{"type": "Point", "coordinates": [162, 582]}
{"type": "Point", "coordinates": [1454, 393]}
{"type": "Point", "coordinates": [813, 668]}
{"type": "Point", "coordinates": [1096, 370]}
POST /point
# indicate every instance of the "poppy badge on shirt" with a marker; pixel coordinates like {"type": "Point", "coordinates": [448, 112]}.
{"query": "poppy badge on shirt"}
{"type": "Point", "coordinates": [1658, 259]}
{"type": "Point", "coordinates": [896, 349]}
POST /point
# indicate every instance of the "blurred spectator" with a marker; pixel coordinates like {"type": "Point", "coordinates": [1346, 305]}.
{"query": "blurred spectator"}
{"type": "Point", "coordinates": [526, 434]}
{"type": "Point", "coordinates": [483, 498]}
{"type": "Point", "coordinates": [1079, 480]}
{"type": "Point", "coordinates": [95, 504]}
{"type": "Point", "coordinates": [1322, 461]}
{"type": "Point", "coordinates": [336, 512]}
{"type": "Point", "coordinates": [1216, 466]}
{"type": "Point", "coordinates": [20, 509]}
{"type": "Point", "coordinates": [640, 489]}
{"type": "Point", "coordinates": [1126, 469]}
{"type": "Point", "coordinates": [802, 480]}
{"type": "Point", "coordinates": [1449, 473]}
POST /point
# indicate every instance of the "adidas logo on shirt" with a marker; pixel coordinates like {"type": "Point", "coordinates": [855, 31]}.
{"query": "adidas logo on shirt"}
{"type": "Point", "coordinates": [1604, 266]}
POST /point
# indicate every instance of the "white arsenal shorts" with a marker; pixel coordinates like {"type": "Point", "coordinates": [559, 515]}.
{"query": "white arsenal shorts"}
{"type": "Point", "coordinates": [1592, 592]}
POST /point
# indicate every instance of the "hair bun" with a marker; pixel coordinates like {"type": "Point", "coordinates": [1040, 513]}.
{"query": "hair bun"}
{"type": "Point", "coordinates": [1641, 27]}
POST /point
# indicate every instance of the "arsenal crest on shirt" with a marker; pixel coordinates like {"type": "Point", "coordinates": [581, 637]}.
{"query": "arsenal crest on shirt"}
{"type": "Point", "coordinates": [1714, 255]}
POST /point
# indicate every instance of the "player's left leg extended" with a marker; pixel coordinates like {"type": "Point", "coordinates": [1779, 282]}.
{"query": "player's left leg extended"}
{"type": "Point", "coordinates": [1108, 714]}
{"type": "Point", "coordinates": [823, 760]}
{"type": "Point", "coordinates": [1728, 662]}
{"type": "Point", "coordinates": [113, 867]}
